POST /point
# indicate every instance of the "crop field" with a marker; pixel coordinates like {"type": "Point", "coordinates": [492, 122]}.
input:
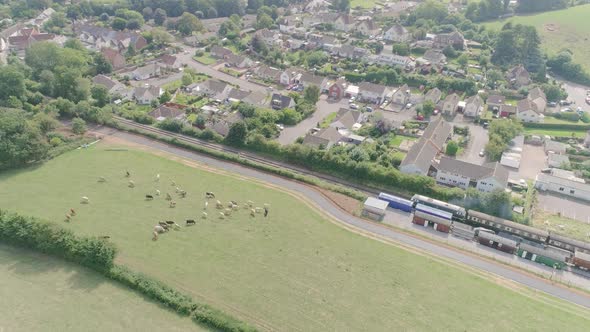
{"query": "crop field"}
{"type": "Point", "coordinates": [561, 29]}
{"type": "Point", "coordinates": [40, 293]}
{"type": "Point", "coordinates": [292, 271]}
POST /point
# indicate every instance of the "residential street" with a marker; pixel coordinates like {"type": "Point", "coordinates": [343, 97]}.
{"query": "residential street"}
{"type": "Point", "coordinates": [374, 229]}
{"type": "Point", "coordinates": [324, 107]}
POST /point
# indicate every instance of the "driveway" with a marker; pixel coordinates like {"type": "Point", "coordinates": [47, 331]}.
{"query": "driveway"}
{"type": "Point", "coordinates": [532, 162]}
{"type": "Point", "coordinates": [478, 140]}
{"type": "Point", "coordinates": [323, 108]}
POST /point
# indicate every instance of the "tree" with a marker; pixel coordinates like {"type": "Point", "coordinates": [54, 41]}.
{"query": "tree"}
{"type": "Point", "coordinates": [78, 126]}
{"type": "Point", "coordinates": [100, 94]}
{"type": "Point", "coordinates": [452, 148]}
{"type": "Point", "coordinates": [428, 108]}
{"type": "Point", "coordinates": [165, 97]}
{"type": "Point", "coordinates": [147, 13]}
{"type": "Point", "coordinates": [160, 38]}
{"type": "Point", "coordinates": [101, 64]}
{"type": "Point", "coordinates": [188, 23]}
{"type": "Point", "coordinates": [237, 134]}
{"type": "Point", "coordinates": [264, 21]}
{"type": "Point", "coordinates": [21, 141]}
{"type": "Point", "coordinates": [402, 49]}
{"type": "Point", "coordinates": [311, 94]}
{"type": "Point", "coordinates": [255, 4]}
{"type": "Point", "coordinates": [45, 122]}
{"type": "Point", "coordinates": [316, 58]}
{"type": "Point", "coordinates": [12, 83]}
{"type": "Point", "coordinates": [554, 92]}
{"type": "Point", "coordinates": [463, 60]}
{"type": "Point", "coordinates": [119, 23]}
{"type": "Point", "coordinates": [187, 79]}
{"type": "Point", "coordinates": [341, 5]}
{"type": "Point", "coordinates": [159, 16]}
{"type": "Point", "coordinates": [505, 51]}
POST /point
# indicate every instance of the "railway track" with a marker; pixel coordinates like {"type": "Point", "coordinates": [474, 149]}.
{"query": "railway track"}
{"type": "Point", "coordinates": [245, 155]}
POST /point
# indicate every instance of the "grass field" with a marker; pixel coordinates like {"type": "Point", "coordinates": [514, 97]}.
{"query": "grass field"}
{"type": "Point", "coordinates": [561, 29]}
{"type": "Point", "coordinates": [40, 293]}
{"type": "Point", "coordinates": [573, 228]}
{"type": "Point", "coordinates": [293, 271]}
{"type": "Point", "coordinates": [556, 132]}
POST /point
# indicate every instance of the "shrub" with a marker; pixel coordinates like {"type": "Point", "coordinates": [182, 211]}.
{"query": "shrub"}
{"type": "Point", "coordinates": [55, 141]}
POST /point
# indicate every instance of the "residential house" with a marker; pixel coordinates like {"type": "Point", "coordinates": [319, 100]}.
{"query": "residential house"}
{"type": "Point", "coordinates": [555, 147]}
{"type": "Point", "coordinates": [26, 37]}
{"type": "Point", "coordinates": [344, 22]}
{"type": "Point", "coordinates": [518, 76]}
{"type": "Point", "coordinates": [494, 102]}
{"type": "Point", "coordinates": [97, 38]}
{"type": "Point", "coordinates": [222, 126]}
{"type": "Point", "coordinates": [506, 111]}
{"type": "Point", "coordinates": [526, 111]}
{"type": "Point", "coordinates": [402, 95]}
{"type": "Point", "coordinates": [287, 77]}
{"type": "Point", "coordinates": [279, 101]}
{"type": "Point", "coordinates": [336, 90]}
{"type": "Point", "coordinates": [113, 86]}
{"type": "Point", "coordinates": [307, 79]}
{"type": "Point", "coordinates": [421, 156]}
{"type": "Point", "coordinates": [539, 99]}
{"type": "Point", "coordinates": [169, 111]}
{"type": "Point", "coordinates": [557, 160]}
{"type": "Point", "coordinates": [433, 95]}
{"type": "Point", "coordinates": [256, 98]}
{"type": "Point", "coordinates": [397, 34]}
{"type": "Point", "coordinates": [473, 106]}
{"type": "Point", "coordinates": [371, 93]}
{"type": "Point", "coordinates": [454, 39]}
{"type": "Point", "coordinates": [269, 37]}
{"type": "Point", "coordinates": [144, 95]}
{"type": "Point", "coordinates": [485, 178]}
{"type": "Point", "coordinates": [170, 62]}
{"type": "Point", "coordinates": [396, 9]}
{"type": "Point", "coordinates": [211, 88]}
{"type": "Point", "coordinates": [267, 73]}
{"type": "Point", "coordinates": [562, 186]}
{"type": "Point", "coordinates": [392, 60]}
{"type": "Point", "coordinates": [348, 119]}
{"type": "Point", "coordinates": [433, 57]}
{"type": "Point", "coordinates": [116, 59]}
{"type": "Point", "coordinates": [239, 61]}
{"type": "Point", "coordinates": [350, 52]}
{"type": "Point", "coordinates": [146, 72]}
{"type": "Point", "coordinates": [220, 52]}
{"type": "Point", "coordinates": [323, 139]}
{"type": "Point", "coordinates": [319, 18]}
{"type": "Point", "coordinates": [449, 104]}
{"type": "Point", "coordinates": [513, 155]}
{"type": "Point", "coordinates": [367, 27]}
{"type": "Point", "coordinates": [42, 18]}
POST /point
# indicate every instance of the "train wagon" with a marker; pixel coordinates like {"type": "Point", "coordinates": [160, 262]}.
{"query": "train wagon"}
{"type": "Point", "coordinates": [462, 230]}
{"type": "Point", "coordinates": [567, 243]}
{"type": "Point", "coordinates": [396, 202]}
{"type": "Point", "coordinates": [428, 216]}
{"type": "Point", "coordinates": [582, 260]}
{"type": "Point", "coordinates": [459, 213]}
{"type": "Point", "coordinates": [492, 240]}
{"type": "Point", "coordinates": [546, 255]}
{"type": "Point", "coordinates": [502, 225]}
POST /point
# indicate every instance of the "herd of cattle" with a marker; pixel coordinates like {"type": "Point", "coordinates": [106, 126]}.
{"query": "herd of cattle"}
{"type": "Point", "coordinates": [224, 210]}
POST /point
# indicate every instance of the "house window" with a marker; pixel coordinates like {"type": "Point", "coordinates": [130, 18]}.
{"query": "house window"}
{"type": "Point", "coordinates": [572, 191]}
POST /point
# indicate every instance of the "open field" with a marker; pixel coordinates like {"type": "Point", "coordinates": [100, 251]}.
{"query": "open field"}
{"type": "Point", "coordinates": [40, 293]}
{"type": "Point", "coordinates": [292, 271]}
{"type": "Point", "coordinates": [573, 228]}
{"type": "Point", "coordinates": [561, 29]}
{"type": "Point", "coordinates": [556, 132]}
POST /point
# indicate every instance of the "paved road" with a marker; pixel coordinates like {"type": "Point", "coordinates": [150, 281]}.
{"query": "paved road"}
{"type": "Point", "coordinates": [577, 93]}
{"type": "Point", "coordinates": [373, 228]}
{"type": "Point", "coordinates": [323, 108]}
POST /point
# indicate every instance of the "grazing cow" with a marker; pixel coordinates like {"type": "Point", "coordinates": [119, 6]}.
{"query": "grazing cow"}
{"type": "Point", "coordinates": [176, 227]}
{"type": "Point", "coordinates": [172, 204]}
{"type": "Point", "coordinates": [162, 223]}
{"type": "Point", "coordinates": [182, 193]}
{"type": "Point", "coordinates": [266, 205]}
{"type": "Point", "coordinates": [235, 207]}
{"type": "Point", "coordinates": [227, 212]}
{"type": "Point", "coordinates": [85, 200]}
{"type": "Point", "coordinates": [221, 215]}
{"type": "Point", "coordinates": [155, 237]}
{"type": "Point", "coordinates": [104, 237]}
{"type": "Point", "coordinates": [127, 174]}
{"type": "Point", "coordinates": [204, 215]}
{"type": "Point", "coordinates": [206, 205]}
{"type": "Point", "coordinates": [265, 212]}
{"type": "Point", "coordinates": [160, 229]}
{"type": "Point", "coordinates": [230, 204]}
{"type": "Point", "coordinates": [190, 222]}
{"type": "Point", "coordinates": [157, 192]}
{"type": "Point", "coordinates": [102, 179]}
{"type": "Point", "coordinates": [168, 197]}
{"type": "Point", "coordinates": [245, 206]}
{"type": "Point", "coordinates": [149, 197]}
{"type": "Point", "coordinates": [157, 177]}
{"type": "Point", "coordinates": [177, 190]}
{"type": "Point", "coordinates": [72, 212]}
{"type": "Point", "coordinates": [250, 203]}
{"type": "Point", "coordinates": [218, 205]}
{"type": "Point", "coordinates": [252, 213]}
{"type": "Point", "coordinates": [209, 194]}
{"type": "Point", "coordinates": [173, 184]}
{"type": "Point", "coordinates": [68, 217]}
{"type": "Point", "coordinates": [131, 184]}
{"type": "Point", "coordinates": [234, 202]}
{"type": "Point", "coordinates": [258, 210]}
{"type": "Point", "coordinates": [170, 222]}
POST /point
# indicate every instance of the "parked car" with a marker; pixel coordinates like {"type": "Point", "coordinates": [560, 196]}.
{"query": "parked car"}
{"type": "Point", "coordinates": [369, 109]}
{"type": "Point", "coordinates": [436, 112]}
{"type": "Point", "coordinates": [280, 126]}
{"type": "Point", "coordinates": [354, 106]}
{"type": "Point", "coordinates": [486, 124]}
{"type": "Point", "coordinates": [565, 102]}
{"type": "Point", "coordinates": [408, 106]}
{"type": "Point", "coordinates": [352, 99]}
{"type": "Point", "coordinates": [482, 153]}
{"type": "Point", "coordinates": [566, 109]}
{"type": "Point", "coordinates": [420, 117]}
{"type": "Point", "coordinates": [552, 104]}
{"type": "Point", "coordinates": [546, 170]}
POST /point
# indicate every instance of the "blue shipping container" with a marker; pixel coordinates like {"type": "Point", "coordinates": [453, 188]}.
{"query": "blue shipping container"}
{"type": "Point", "coordinates": [397, 202]}
{"type": "Point", "coordinates": [434, 212]}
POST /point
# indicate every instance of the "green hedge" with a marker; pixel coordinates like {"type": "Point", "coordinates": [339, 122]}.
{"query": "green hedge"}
{"type": "Point", "coordinates": [562, 126]}
{"type": "Point", "coordinates": [52, 239]}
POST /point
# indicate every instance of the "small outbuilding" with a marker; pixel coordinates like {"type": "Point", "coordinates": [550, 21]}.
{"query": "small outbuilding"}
{"type": "Point", "coordinates": [374, 208]}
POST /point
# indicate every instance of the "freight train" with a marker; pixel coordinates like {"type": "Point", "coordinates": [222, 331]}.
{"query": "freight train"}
{"type": "Point", "coordinates": [538, 245]}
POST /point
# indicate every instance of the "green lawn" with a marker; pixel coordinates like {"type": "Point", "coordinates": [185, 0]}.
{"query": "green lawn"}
{"type": "Point", "coordinates": [328, 119]}
{"type": "Point", "coordinates": [363, 3]}
{"type": "Point", "coordinates": [556, 132]}
{"type": "Point", "coordinates": [573, 228]}
{"type": "Point", "coordinates": [205, 59]}
{"type": "Point", "coordinates": [40, 293]}
{"type": "Point", "coordinates": [398, 139]}
{"type": "Point", "coordinates": [292, 271]}
{"type": "Point", "coordinates": [562, 29]}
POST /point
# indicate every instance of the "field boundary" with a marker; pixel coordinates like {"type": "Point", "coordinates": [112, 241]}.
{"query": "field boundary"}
{"type": "Point", "coordinates": [98, 255]}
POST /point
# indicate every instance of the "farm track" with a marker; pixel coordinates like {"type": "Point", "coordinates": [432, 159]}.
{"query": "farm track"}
{"type": "Point", "coordinates": [371, 230]}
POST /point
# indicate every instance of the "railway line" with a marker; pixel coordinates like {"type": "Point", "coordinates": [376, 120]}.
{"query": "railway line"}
{"type": "Point", "coordinates": [246, 155]}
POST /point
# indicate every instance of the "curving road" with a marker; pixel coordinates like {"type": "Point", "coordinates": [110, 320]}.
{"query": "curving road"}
{"type": "Point", "coordinates": [372, 228]}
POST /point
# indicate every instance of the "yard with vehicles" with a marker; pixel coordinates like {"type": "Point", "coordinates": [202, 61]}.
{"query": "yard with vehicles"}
{"type": "Point", "coordinates": [294, 270]}
{"type": "Point", "coordinates": [45, 292]}
{"type": "Point", "coordinates": [559, 30]}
